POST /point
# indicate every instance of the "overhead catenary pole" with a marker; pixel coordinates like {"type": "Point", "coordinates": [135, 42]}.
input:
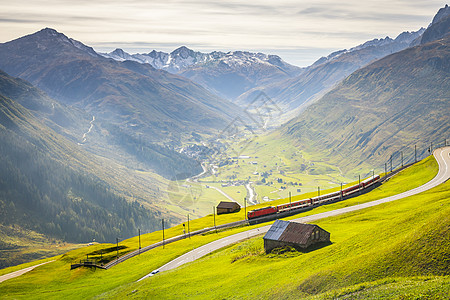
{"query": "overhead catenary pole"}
{"type": "Point", "coordinates": [385, 169]}
{"type": "Point", "coordinates": [189, 229]}
{"type": "Point", "coordinates": [245, 208]}
{"type": "Point", "coordinates": [163, 232]}
{"type": "Point", "coordinates": [214, 214]}
{"type": "Point", "coordinates": [318, 191]}
{"type": "Point", "coordinates": [139, 241]}
{"type": "Point", "coordinates": [359, 183]}
{"type": "Point", "coordinates": [342, 195]}
{"type": "Point", "coordinates": [401, 153]}
{"type": "Point", "coordinates": [289, 200]}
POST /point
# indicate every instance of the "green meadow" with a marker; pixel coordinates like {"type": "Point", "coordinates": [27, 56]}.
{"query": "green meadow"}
{"type": "Point", "coordinates": [392, 249]}
{"type": "Point", "coordinates": [377, 252]}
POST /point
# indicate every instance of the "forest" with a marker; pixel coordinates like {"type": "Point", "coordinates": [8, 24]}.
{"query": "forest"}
{"type": "Point", "coordinates": [47, 195]}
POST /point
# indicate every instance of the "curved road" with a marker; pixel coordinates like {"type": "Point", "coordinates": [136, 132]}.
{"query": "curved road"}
{"type": "Point", "coordinates": [442, 156]}
{"type": "Point", "coordinates": [22, 271]}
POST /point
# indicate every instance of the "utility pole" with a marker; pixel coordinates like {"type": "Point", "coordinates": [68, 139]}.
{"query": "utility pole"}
{"type": "Point", "coordinates": [318, 191]}
{"type": "Point", "coordinates": [214, 213]}
{"type": "Point", "coordinates": [385, 169]}
{"type": "Point", "coordinates": [401, 153]}
{"type": "Point", "coordinates": [163, 231]}
{"type": "Point", "coordinates": [289, 200]}
{"type": "Point", "coordinates": [359, 183]}
{"type": "Point", "coordinates": [342, 195]}
{"type": "Point", "coordinates": [189, 229]}
{"type": "Point", "coordinates": [139, 241]}
{"type": "Point", "coordinates": [245, 208]}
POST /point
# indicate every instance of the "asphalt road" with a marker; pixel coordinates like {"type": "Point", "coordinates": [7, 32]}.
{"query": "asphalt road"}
{"type": "Point", "coordinates": [20, 272]}
{"type": "Point", "coordinates": [442, 156]}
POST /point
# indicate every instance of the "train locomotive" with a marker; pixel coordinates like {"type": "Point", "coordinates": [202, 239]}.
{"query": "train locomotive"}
{"type": "Point", "coordinates": [270, 210]}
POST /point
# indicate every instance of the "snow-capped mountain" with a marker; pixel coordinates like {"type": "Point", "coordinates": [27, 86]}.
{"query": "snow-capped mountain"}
{"type": "Point", "coordinates": [225, 74]}
{"type": "Point", "coordinates": [184, 58]}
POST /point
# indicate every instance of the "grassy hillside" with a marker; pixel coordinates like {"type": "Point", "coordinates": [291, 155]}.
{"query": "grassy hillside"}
{"type": "Point", "coordinates": [19, 246]}
{"type": "Point", "coordinates": [388, 245]}
{"type": "Point", "coordinates": [55, 280]}
{"type": "Point", "coordinates": [382, 109]}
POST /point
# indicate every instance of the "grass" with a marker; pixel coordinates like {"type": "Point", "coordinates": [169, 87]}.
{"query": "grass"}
{"type": "Point", "coordinates": [54, 280]}
{"type": "Point", "coordinates": [417, 288]}
{"type": "Point", "coordinates": [278, 158]}
{"type": "Point", "coordinates": [399, 239]}
{"type": "Point", "coordinates": [19, 245]}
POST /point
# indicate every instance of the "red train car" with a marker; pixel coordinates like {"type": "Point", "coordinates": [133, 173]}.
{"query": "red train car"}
{"type": "Point", "coordinates": [315, 200]}
{"type": "Point", "coordinates": [262, 212]}
{"type": "Point", "coordinates": [293, 205]}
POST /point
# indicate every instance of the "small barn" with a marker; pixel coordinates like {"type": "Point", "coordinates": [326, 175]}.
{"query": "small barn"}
{"type": "Point", "coordinates": [297, 235]}
{"type": "Point", "coordinates": [225, 207]}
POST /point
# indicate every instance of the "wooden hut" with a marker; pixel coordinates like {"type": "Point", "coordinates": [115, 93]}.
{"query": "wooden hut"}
{"type": "Point", "coordinates": [297, 235]}
{"type": "Point", "coordinates": [225, 207]}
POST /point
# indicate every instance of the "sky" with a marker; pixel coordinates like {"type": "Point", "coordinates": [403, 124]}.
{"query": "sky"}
{"type": "Point", "coordinates": [300, 31]}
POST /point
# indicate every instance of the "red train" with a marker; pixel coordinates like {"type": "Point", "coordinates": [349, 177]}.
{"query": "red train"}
{"type": "Point", "coordinates": [256, 213]}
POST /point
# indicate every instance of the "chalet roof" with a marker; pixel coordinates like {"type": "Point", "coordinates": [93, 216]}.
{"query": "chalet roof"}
{"type": "Point", "coordinates": [225, 204]}
{"type": "Point", "coordinates": [291, 232]}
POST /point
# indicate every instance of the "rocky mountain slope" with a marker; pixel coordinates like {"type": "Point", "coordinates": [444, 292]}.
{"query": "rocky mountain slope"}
{"type": "Point", "coordinates": [133, 96]}
{"type": "Point", "coordinates": [225, 74]}
{"type": "Point", "coordinates": [394, 102]}
{"type": "Point", "coordinates": [295, 94]}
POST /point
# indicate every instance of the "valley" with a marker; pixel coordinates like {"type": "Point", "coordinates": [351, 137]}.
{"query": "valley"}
{"type": "Point", "coordinates": [113, 163]}
{"type": "Point", "coordinates": [244, 257]}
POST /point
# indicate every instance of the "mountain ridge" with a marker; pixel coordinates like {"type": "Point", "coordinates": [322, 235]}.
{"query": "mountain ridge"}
{"type": "Point", "coordinates": [380, 108]}
{"type": "Point", "coordinates": [295, 94]}
{"type": "Point", "coordinates": [68, 71]}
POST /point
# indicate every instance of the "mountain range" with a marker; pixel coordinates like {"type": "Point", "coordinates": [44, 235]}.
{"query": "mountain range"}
{"type": "Point", "coordinates": [243, 76]}
{"type": "Point", "coordinates": [293, 95]}
{"type": "Point", "coordinates": [225, 74]}
{"type": "Point", "coordinates": [86, 137]}
{"type": "Point", "coordinates": [128, 94]}
{"type": "Point", "coordinates": [140, 113]}
{"type": "Point", "coordinates": [381, 109]}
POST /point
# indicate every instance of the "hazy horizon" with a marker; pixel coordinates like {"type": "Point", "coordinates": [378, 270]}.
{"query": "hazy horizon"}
{"type": "Point", "coordinates": [298, 31]}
